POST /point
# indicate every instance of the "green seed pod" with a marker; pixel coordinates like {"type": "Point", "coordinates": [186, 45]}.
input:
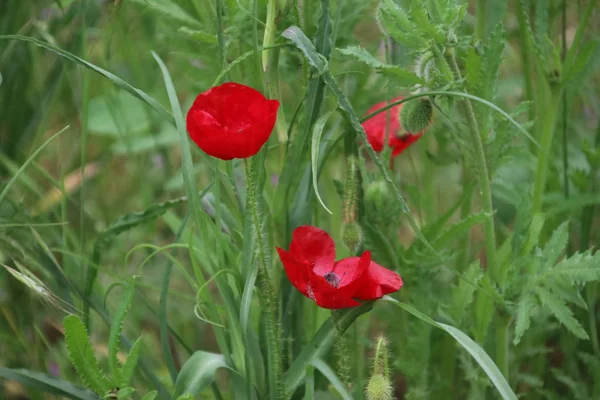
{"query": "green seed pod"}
{"type": "Point", "coordinates": [416, 115]}
{"type": "Point", "coordinates": [352, 236]}
{"type": "Point", "coordinates": [379, 388]}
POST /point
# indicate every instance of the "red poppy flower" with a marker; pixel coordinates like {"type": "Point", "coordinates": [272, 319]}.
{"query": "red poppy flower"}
{"type": "Point", "coordinates": [311, 267]}
{"type": "Point", "coordinates": [231, 121]}
{"type": "Point", "coordinates": [375, 129]}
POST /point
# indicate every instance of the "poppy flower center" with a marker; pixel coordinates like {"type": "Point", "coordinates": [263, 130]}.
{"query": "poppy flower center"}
{"type": "Point", "coordinates": [332, 279]}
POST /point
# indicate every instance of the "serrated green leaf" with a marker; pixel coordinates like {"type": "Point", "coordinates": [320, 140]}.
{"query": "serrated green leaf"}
{"type": "Point", "coordinates": [555, 245]}
{"type": "Point", "coordinates": [462, 295]}
{"type": "Point", "coordinates": [397, 74]}
{"type": "Point", "coordinates": [150, 395]}
{"type": "Point", "coordinates": [561, 312]}
{"type": "Point", "coordinates": [567, 292]}
{"type": "Point", "coordinates": [394, 21]}
{"type": "Point", "coordinates": [170, 10]}
{"type": "Point", "coordinates": [128, 368]}
{"type": "Point", "coordinates": [525, 309]}
{"type": "Point", "coordinates": [82, 355]}
{"type": "Point", "coordinates": [197, 373]}
{"type": "Point", "coordinates": [579, 268]}
{"type": "Point", "coordinates": [418, 14]}
{"type": "Point", "coordinates": [47, 384]}
{"type": "Point", "coordinates": [116, 329]}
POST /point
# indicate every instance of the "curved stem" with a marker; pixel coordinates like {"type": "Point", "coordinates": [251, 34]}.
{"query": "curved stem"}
{"type": "Point", "coordinates": [482, 173]}
{"type": "Point", "coordinates": [267, 294]}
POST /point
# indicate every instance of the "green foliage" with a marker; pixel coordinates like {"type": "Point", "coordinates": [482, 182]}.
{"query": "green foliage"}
{"type": "Point", "coordinates": [197, 373]}
{"type": "Point", "coordinates": [82, 356]}
{"type": "Point", "coordinates": [115, 332]}
{"type": "Point", "coordinates": [551, 284]}
{"type": "Point", "coordinates": [397, 75]}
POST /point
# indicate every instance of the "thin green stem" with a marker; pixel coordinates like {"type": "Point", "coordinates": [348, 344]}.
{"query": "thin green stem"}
{"type": "Point", "coordinates": [220, 36]}
{"type": "Point", "coordinates": [482, 19]}
{"type": "Point", "coordinates": [267, 294]}
{"type": "Point", "coordinates": [546, 134]}
{"type": "Point", "coordinates": [503, 344]}
{"type": "Point", "coordinates": [482, 173]}
{"type": "Point", "coordinates": [527, 52]}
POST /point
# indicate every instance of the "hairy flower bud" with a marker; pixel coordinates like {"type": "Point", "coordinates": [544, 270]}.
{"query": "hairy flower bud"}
{"type": "Point", "coordinates": [417, 115]}
{"type": "Point", "coordinates": [352, 236]}
{"type": "Point", "coordinates": [379, 388]}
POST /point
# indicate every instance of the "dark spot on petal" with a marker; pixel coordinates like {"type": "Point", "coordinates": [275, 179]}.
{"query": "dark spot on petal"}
{"type": "Point", "coordinates": [332, 279]}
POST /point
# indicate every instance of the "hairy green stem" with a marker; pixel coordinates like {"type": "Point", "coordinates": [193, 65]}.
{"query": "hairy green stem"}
{"type": "Point", "coordinates": [482, 172]}
{"type": "Point", "coordinates": [502, 344]}
{"type": "Point", "coordinates": [502, 323]}
{"type": "Point", "coordinates": [528, 53]}
{"type": "Point", "coordinates": [267, 293]}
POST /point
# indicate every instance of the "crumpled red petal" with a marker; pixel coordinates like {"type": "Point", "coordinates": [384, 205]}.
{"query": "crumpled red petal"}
{"type": "Point", "coordinates": [296, 271]}
{"type": "Point", "coordinates": [375, 129]}
{"type": "Point", "coordinates": [377, 281]}
{"type": "Point", "coordinates": [327, 296]}
{"type": "Point", "coordinates": [315, 246]}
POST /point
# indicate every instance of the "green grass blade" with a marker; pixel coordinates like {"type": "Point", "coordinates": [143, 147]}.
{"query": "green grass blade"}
{"type": "Point", "coordinates": [129, 366]}
{"type": "Point", "coordinates": [47, 384]}
{"type": "Point", "coordinates": [478, 354]}
{"type": "Point", "coordinates": [27, 162]}
{"type": "Point", "coordinates": [332, 378]}
{"type": "Point", "coordinates": [153, 103]}
{"type": "Point", "coordinates": [197, 373]}
{"type": "Point", "coordinates": [320, 345]}
{"type": "Point", "coordinates": [83, 357]}
{"type": "Point", "coordinates": [314, 154]}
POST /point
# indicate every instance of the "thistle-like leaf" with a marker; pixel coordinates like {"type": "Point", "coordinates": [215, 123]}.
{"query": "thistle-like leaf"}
{"type": "Point", "coordinates": [525, 310]}
{"type": "Point", "coordinates": [126, 372]}
{"type": "Point", "coordinates": [396, 74]}
{"type": "Point", "coordinates": [561, 311]}
{"type": "Point", "coordinates": [116, 329]}
{"type": "Point", "coordinates": [82, 356]}
{"type": "Point", "coordinates": [394, 21]}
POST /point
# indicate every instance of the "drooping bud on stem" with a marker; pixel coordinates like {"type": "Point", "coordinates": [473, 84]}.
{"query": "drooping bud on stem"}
{"type": "Point", "coordinates": [417, 115]}
{"type": "Point", "coordinates": [380, 386]}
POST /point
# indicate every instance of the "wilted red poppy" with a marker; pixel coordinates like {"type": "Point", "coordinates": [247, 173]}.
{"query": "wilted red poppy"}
{"type": "Point", "coordinates": [311, 267]}
{"type": "Point", "coordinates": [231, 121]}
{"type": "Point", "coordinates": [375, 129]}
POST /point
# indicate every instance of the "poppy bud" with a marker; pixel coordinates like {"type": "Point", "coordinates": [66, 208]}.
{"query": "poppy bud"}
{"type": "Point", "coordinates": [352, 236]}
{"type": "Point", "coordinates": [379, 388]}
{"type": "Point", "coordinates": [417, 115]}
